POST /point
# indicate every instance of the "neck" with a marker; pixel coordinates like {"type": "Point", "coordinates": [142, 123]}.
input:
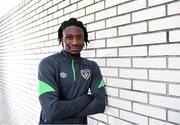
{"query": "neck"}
{"type": "Point", "coordinates": [72, 55]}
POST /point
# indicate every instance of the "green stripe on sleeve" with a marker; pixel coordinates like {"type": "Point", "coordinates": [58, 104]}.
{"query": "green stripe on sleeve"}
{"type": "Point", "coordinates": [101, 84]}
{"type": "Point", "coordinates": [44, 87]}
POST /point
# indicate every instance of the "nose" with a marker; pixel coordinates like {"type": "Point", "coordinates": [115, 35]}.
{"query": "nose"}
{"type": "Point", "coordinates": [74, 41]}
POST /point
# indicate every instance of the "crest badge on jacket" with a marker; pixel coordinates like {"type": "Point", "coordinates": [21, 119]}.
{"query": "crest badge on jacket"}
{"type": "Point", "coordinates": [85, 73]}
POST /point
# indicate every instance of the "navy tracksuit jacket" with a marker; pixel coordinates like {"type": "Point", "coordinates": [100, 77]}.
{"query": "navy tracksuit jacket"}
{"type": "Point", "coordinates": [64, 82]}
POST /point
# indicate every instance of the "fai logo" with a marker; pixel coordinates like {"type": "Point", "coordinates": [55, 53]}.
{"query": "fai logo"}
{"type": "Point", "coordinates": [63, 75]}
{"type": "Point", "coordinates": [85, 73]}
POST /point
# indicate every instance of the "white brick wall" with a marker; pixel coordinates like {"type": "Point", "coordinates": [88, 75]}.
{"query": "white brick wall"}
{"type": "Point", "coordinates": [154, 62]}
{"type": "Point", "coordinates": [167, 102]}
{"type": "Point", "coordinates": [155, 87]}
{"type": "Point", "coordinates": [149, 111]}
{"type": "Point", "coordinates": [150, 38]}
{"type": "Point", "coordinates": [135, 118]}
{"type": "Point", "coordinates": [174, 116]}
{"type": "Point", "coordinates": [149, 13]}
{"type": "Point", "coordinates": [136, 43]}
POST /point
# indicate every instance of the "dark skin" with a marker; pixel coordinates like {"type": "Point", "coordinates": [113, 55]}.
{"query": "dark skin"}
{"type": "Point", "coordinates": [73, 40]}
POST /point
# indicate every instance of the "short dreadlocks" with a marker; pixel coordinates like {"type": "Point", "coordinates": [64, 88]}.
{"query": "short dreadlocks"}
{"type": "Point", "coordinates": [72, 22]}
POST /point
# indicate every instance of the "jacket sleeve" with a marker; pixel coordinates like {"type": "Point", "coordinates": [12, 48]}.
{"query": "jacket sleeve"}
{"type": "Point", "coordinates": [97, 105]}
{"type": "Point", "coordinates": [52, 106]}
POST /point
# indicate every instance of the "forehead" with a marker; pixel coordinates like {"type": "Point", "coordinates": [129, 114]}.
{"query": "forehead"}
{"type": "Point", "coordinates": [73, 30]}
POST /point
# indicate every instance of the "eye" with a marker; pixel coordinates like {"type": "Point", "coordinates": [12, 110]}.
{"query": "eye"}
{"type": "Point", "coordinates": [79, 37]}
{"type": "Point", "coordinates": [69, 37]}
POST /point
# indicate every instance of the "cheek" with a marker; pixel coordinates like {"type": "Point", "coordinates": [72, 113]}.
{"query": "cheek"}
{"type": "Point", "coordinates": [82, 45]}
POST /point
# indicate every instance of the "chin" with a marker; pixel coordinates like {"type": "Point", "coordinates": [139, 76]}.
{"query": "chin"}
{"type": "Point", "coordinates": [74, 53]}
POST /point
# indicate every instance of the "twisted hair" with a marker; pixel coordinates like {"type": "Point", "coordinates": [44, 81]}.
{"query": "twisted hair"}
{"type": "Point", "coordinates": [72, 22]}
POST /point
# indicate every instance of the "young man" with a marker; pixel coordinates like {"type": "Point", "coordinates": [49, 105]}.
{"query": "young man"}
{"type": "Point", "coordinates": [65, 78]}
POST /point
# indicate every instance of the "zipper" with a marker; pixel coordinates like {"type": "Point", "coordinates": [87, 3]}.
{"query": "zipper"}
{"type": "Point", "coordinates": [73, 69]}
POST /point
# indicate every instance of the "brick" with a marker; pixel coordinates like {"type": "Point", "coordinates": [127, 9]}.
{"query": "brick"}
{"type": "Point", "coordinates": [39, 10]}
{"type": "Point", "coordinates": [106, 33]}
{"type": "Point", "coordinates": [119, 62]}
{"type": "Point", "coordinates": [83, 3]}
{"type": "Point", "coordinates": [99, 61]}
{"type": "Point", "coordinates": [95, 7]}
{"type": "Point", "coordinates": [155, 12]}
{"type": "Point", "coordinates": [53, 49]}
{"type": "Point", "coordinates": [150, 38]}
{"type": "Point", "coordinates": [55, 29]}
{"type": "Point", "coordinates": [107, 52]}
{"type": "Point", "coordinates": [158, 122]}
{"type": "Point", "coordinates": [164, 75]}
{"type": "Point", "coordinates": [109, 72]}
{"type": "Point", "coordinates": [42, 2]}
{"type": "Point", "coordinates": [101, 123]}
{"type": "Point", "coordinates": [92, 121]}
{"type": "Point", "coordinates": [70, 8]}
{"type": "Point", "coordinates": [96, 44]}
{"type": "Point", "coordinates": [157, 2]}
{"type": "Point", "coordinates": [56, 1]}
{"type": "Point", "coordinates": [63, 18]}
{"type": "Point", "coordinates": [112, 91]}
{"type": "Point", "coordinates": [152, 62]}
{"type": "Point", "coordinates": [52, 22]}
{"type": "Point", "coordinates": [91, 36]}
{"type": "Point", "coordinates": [174, 36]}
{"type": "Point", "coordinates": [120, 83]}
{"type": "Point", "coordinates": [118, 20]}
{"type": "Point", "coordinates": [63, 4]}
{"type": "Point", "coordinates": [52, 9]}
{"type": "Point", "coordinates": [133, 73]}
{"type": "Point", "coordinates": [87, 19]}
{"type": "Point", "coordinates": [48, 30]}
{"type": "Point", "coordinates": [174, 89]}
{"type": "Point", "coordinates": [174, 62]}
{"type": "Point", "coordinates": [147, 86]}
{"type": "Point", "coordinates": [110, 3]}
{"type": "Point", "coordinates": [48, 43]}
{"type": "Point", "coordinates": [133, 51]}
{"type": "Point", "coordinates": [133, 96]}
{"type": "Point", "coordinates": [134, 118]}
{"type": "Point", "coordinates": [96, 26]}
{"type": "Point", "coordinates": [101, 117]}
{"type": "Point", "coordinates": [167, 102]}
{"type": "Point", "coordinates": [53, 36]}
{"type": "Point", "coordinates": [97, 0]}
{"type": "Point", "coordinates": [47, 18]}
{"type": "Point", "coordinates": [106, 13]}
{"type": "Point", "coordinates": [164, 23]}
{"type": "Point", "coordinates": [43, 26]}
{"type": "Point", "coordinates": [43, 14]}
{"type": "Point", "coordinates": [34, 18]}
{"type": "Point", "coordinates": [174, 116]}
{"type": "Point", "coordinates": [78, 13]}
{"type": "Point", "coordinates": [131, 6]}
{"type": "Point", "coordinates": [118, 103]}
{"type": "Point", "coordinates": [119, 41]}
{"type": "Point", "coordinates": [57, 14]}
{"type": "Point", "coordinates": [74, 1]}
{"type": "Point", "coordinates": [150, 111]}
{"type": "Point", "coordinates": [166, 49]}
{"type": "Point", "coordinates": [174, 8]}
{"type": "Point", "coordinates": [88, 53]}
{"type": "Point", "coordinates": [132, 29]}
{"type": "Point", "coordinates": [114, 121]}
{"type": "Point", "coordinates": [47, 5]}
{"type": "Point", "coordinates": [112, 111]}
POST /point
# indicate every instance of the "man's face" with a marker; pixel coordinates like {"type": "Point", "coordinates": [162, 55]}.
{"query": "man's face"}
{"type": "Point", "coordinates": [73, 40]}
